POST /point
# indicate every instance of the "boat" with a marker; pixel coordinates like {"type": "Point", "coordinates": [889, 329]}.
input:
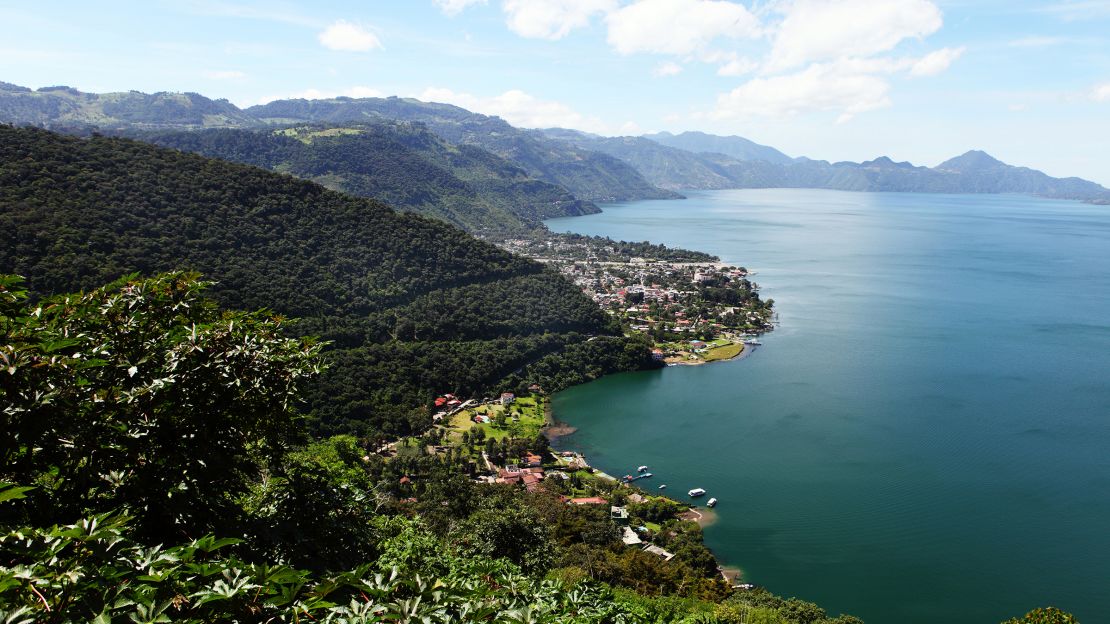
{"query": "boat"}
{"type": "Point", "coordinates": [696, 492]}
{"type": "Point", "coordinates": [642, 469]}
{"type": "Point", "coordinates": [646, 475]}
{"type": "Point", "coordinates": [711, 503]}
{"type": "Point", "coordinates": [754, 343]}
{"type": "Point", "coordinates": [663, 487]}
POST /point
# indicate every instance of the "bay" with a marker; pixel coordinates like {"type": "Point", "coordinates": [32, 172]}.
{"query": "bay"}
{"type": "Point", "coordinates": [926, 436]}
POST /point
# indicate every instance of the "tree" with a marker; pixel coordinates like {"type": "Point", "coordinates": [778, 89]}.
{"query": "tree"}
{"type": "Point", "coordinates": [143, 395]}
{"type": "Point", "coordinates": [516, 532]}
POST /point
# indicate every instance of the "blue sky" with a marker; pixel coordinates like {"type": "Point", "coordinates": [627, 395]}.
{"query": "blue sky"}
{"type": "Point", "coordinates": [918, 80]}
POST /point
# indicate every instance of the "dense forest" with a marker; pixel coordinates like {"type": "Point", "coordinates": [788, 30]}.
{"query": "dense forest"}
{"type": "Point", "coordinates": [588, 174]}
{"type": "Point", "coordinates": [401, 164]}
{"type": "Point", "coordinates": [412, 307]}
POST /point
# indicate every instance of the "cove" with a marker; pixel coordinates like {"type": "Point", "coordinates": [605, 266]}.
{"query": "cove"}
{"type": "Point", "coordinates": [926, 436]}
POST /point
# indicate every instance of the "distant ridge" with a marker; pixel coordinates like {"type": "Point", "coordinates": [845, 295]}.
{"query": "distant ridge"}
{"type": "Point", "coordinates": [716, 162]}
{"type": "Point", "coordinates": [591, 167]}
{"type": "Point", "coordinates": [590, 176]}
{"type": "Point", "coordinates": [63, 106]}
{"type": "Point", "coordinates": [974, 160]}
{"type": "Point", "coordinates": [734, 146]}
{"type": "Point", "coordinates": [400, 163]}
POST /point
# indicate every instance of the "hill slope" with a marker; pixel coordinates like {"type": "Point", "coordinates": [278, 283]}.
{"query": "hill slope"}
{"type": "Point", "coordinates": [587, 174]}
{"type": "Point", "coordinates": [666, 167]}
{"type": "Point", "coordinates": [735, 147]}
{"type": "Point", "coordinates": [414, 306]}
{"type": "Point", "coordinates": [67, 107]}
{"type": "Point", "coordinates": [402, 164]}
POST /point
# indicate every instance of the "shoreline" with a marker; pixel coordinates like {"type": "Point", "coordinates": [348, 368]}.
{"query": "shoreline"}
{"type": "Point", "coordinates": [744, 352]}
{"type": "Point", "coordinates": [552, 428]}
{"type": "Point", "coordinates": [704, 517]}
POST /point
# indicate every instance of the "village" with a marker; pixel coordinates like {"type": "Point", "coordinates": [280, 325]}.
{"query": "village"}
{"type": "Point", "coordinates": [503, 437]}
{"type": "Point", "coordinates": [693, 311]}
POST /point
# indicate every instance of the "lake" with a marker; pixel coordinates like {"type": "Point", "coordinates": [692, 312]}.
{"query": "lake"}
{"type": "Point", "coordinates": [925, 438]}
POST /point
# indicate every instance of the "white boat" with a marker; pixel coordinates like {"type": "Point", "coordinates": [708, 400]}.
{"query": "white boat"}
{"type": "Point", "coordinates": [663, 487]}
{"type": "Point", "coordinates": [642, 469]}
{"type": "Point", "coordinates": [711, 503]}
{"type": "Point", "coordinates": [646, 474]}
{"type": "Point", "coordinates": [696, 492]}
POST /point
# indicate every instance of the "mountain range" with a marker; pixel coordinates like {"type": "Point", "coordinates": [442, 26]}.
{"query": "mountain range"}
{"type": "Point", "coordinates": [589, 167]}
{"type": "Point", "coordinates": [590, 176]}
{"type": "Point", "coordinates": [713, 162]}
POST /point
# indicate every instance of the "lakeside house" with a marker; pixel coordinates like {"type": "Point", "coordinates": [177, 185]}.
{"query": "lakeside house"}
{"type": "Point", "coordinates": [618, 514]}
{"type": "Point", "coordinates": [655, 550]}
{"type": "Point", "coordinates": [589, 500]}
{"type": "Point", "coordinates": [507, 398]}
{"type": "Point", "coordinates": [629, 537]}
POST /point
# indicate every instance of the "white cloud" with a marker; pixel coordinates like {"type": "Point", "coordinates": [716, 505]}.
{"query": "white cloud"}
{"type": "Point", "coordinates": [454, 7]}
{"type": "Point", "coordinates": [631, 128]}
{"type": "Point", "coordinates": [849, 86]}
{"type": "Point", "coordinates": [819, 87]}
{"type": "Point", "coordinates": [737, 67]}
{"type": "Point", "coordinates": [936, 62]}
{"type": "Point", "coordinates": [677, 26]}
{"type": "Point", "coordinates": [317, 94]}
{"type": "Point", "coordinates": [348, 37]}
{"type": "Point", "coordinates": [670, 68]}
{"type": "Point", "coordinates": [820, 30]}
{"type": "Point", "coordinates": [519, 109]}
{"type": "Point", "coordinates": [1101, 93]}
{"type": "Point", "coordinates": [552, 19]}
{"type": "Point", "coordinates": [224, 75]}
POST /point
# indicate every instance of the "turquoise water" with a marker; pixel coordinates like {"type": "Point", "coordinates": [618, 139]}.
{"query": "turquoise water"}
{"type": "Point", "coordinates": [926, 438]}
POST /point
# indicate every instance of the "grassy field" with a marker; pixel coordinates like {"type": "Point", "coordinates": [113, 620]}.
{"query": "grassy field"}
{"type": "Point", "coordinates": [726, 352]}
{"type": "Point", "coordinates": [524, 418]}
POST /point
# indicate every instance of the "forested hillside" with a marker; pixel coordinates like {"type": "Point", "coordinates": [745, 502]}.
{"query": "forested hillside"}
{"type": "Point", "coordinates": [413, 306]}
{"type": "Point", "coordinates": [587, 174]}
{"type": "Point", "coordinates": [399, 163]}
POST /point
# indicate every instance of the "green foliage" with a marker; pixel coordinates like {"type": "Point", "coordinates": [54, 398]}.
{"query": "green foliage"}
{"type": "Point", "coordinates": [589, 175]}
{"type": "Point", "coordinates": [585, 361]}
{"type": "Point", "coordinates": [515, 533]}
{"type": "Point", "coordinates": [401, 164]}
{"type": "Point", "coordinates": [143, 394]}
{"type": "Point", "coordinates": [92, 571]}
{"type": "Point", "coordinates": [316, 508]}
{"type": "Point", "coordinates": [1044, 615]}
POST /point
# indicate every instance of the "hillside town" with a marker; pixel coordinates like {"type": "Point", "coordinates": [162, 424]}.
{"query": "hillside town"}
{"type": "Point", "coordinates": [502, 441]}
{"type": "Point", "coordinates": [695, 311]}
